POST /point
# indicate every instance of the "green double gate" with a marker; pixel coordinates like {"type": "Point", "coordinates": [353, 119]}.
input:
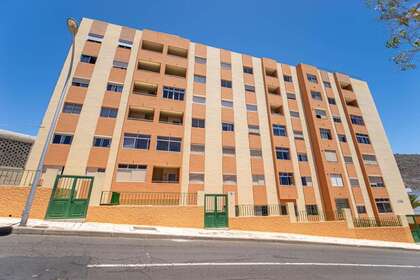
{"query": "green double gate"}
{"type": "Point", "coordinates": [70, 197]}
{"type": "Point", "coordinates": [215, 211]}
{"type": "Point", "coordinates": [414, 227]}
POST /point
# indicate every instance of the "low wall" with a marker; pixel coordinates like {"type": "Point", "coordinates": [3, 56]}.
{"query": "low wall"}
{"type": "Point", "coordinates": [170, 216]}
{"type": "Point", "coordinates": [13, 199]}
{"type": "Point", "coordinates": [330, 228]}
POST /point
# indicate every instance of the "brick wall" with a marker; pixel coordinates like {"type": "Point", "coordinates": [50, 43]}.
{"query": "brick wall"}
{"type": "Point", "coordinates": [12, 201]}
{"type": "Point", "coordinates": [330, 228]}
{"type": "Point", "coordinates": [183, 216]}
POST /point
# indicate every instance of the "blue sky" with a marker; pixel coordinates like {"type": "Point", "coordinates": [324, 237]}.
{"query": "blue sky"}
{"type": "Point", "coordinates": [342, 36]}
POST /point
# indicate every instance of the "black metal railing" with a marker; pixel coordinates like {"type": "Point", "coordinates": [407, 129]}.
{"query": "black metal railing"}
{"type": "Point", "coordinates": [303, 216]}
{"type": "Point", "coordinates": [381, 222]}
{"type": "Point", "coordinates": [260, 210]}
{"type": "Point", "coordinates": [16, 177]}
{"type": "Point", "coordinates": [339, 215]}
{"type": "Point", "coordinates": [148, 198]}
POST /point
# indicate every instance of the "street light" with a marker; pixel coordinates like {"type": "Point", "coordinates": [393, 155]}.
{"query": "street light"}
{"type": "Point", "coordinates": [72, 27]}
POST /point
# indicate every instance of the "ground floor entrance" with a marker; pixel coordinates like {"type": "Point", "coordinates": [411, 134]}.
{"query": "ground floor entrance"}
{"type": "Point", "coordinates": [215, 211]}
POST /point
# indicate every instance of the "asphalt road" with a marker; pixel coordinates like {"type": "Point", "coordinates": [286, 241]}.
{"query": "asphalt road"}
{"type": "Point", "coordinates": [70, 257]}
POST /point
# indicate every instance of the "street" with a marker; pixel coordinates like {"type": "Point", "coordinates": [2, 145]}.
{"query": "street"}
{"type": "Point", "coordinates": [70, 257]}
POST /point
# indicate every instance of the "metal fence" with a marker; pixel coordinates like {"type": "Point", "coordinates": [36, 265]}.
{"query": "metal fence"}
{"type": "Point", "coordinates": [260, 210]}
{"type": "Point", "coordinates": [148, 198]}
{"type": "Point", "coordinates": [303, 216]}
{"type": "Point", "coordinates": [381, 222]}
{"type": "Point", "coordinates": [339, 215]}
{"type": "Point", "coordinates": [16, 177]}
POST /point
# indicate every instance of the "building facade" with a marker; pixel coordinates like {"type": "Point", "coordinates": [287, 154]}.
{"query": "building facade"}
{"type": "Point", "coordinates": [153, 112]}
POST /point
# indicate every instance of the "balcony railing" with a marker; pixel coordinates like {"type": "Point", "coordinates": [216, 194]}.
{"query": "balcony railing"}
{"type": "Point", "coordinates": [148, 198]}
{"type": "Point", "coordinates": [381, 222]}
{"type": "Point", "coordinates": [16, 177]}
{"type": "Point", "coordinates": [245, 210]}
{"type": "Point", "coordinates": [303, 216]}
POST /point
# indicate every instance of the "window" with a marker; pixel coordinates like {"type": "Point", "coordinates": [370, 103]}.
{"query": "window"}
{"type": "Point", "coordinates": [226, 83]}
{"type": "Point", "coordinates": [357, 120]}
{"type": "Point", "coordinates": [306, 181]}
{"type": "Point", "coordinates": [120, 64]}
{"type": "Point", "coordinates": [88, 59]}
{"type": "Point", "coordinates": [197, 148]}
{"type": "Point", "coordinates": [316, 95]}
{"type": "Point", "coordinates": [331, 101]}
{"type": "Point", "coordinates": [108, 112]}
{"type": "Point", "coordinates": [330, 155]}
{"type": "Point", "coordinates": [255, 153]}
{"type": "Point", "coordinates": [199, 123]}
{"type": "Point", "coordinates": [354, 182]}
{"type": "Point", "coordinates": [196, 178]}
{"type": "Point", "coordinates": [227, 126]}
{"type": "Point", "coordinates": [173, 93]}
{"type": "Point", "coordinates": [291, 96]}
{"type": "Point", "coordinates": [311, 209]}
{"type": "Point", "coordinates": [261, 210]}
{"type": "Point", "coordinates": [342, 138]}
{"type": "Point", "coordinates": [376, 181]}
{"type": "Point", "coordinates": [294, 114]}
{"type": "Point", "coordinates": [72, 108]}
{"type": "Point", "coordinates": [62, 139]}
{"type": "Point", "coordinates": [131, 173]}
{"type": "Point", "coordinates": [169, 144]}
{"type": "Point", "coordinates": [341, 203]}
{"type": "Point", "coordinates": [312, 78]}
{"type": "Point", "coordinates": [361, 209]}
{"type": "Point", "coordinates": [302, 157]}
{"type": "Point", "coordinates": [114, 87]}
{"type": "Point", "coordinates": [95, 38]}
{"type": "Point", "coordinates": [258, 180]}
{"type": "Point", "coordinates": [336, 180]}
{"type": "Point", "coordinates": [200, 60]}
{"type": "Point", "coordinates": [249, 88]}
{"type": "Point", "coordinates": [282, 153]}
{"type": "Point", "coordinates": [286, 178]}
{"type": "Point", "coordinates": [327, 84]}
{"type": "Point", "coordinates": [199, 99]}
{"type": "Point", "coordinates": [320, 114]}
{"type": "Point", "coordinates": [251, 108]}
{"type": "Point", "coordinates": [136, 141]}
{"type": "Point", "coordinates": [348, 159]}
{"type": "Point", "coordinates": [362, 138]}
{"type": "Point", "coordinates": [336, 119]}
{"type": "Point", "coordinates": [228, 151]}
{"type": "Point", "coordinates": [279, 130]}
{"type": "Point", "coordinates": [165, 175]}
{"type": "Point", "coordinates": [229, 179]}
{"type": "Point", "coordinates": [287, 78]}
{"type": "Point", "coordinates": [78, 82]}
{"type": "Point", "coordinates": [102, 142]}
{"type": "Point", "coordinates": [225, 65]}
{"type": "Point", "coordinates": [248, 70]}
{"type": "Point", "coordinates": [298, 134]}
{"type": "Point", "coordinates": [369, 159]}
{"type": "Point", "coordinates": [383, 205]}
{"type": "Point", "coordinates": [254, 129]}
{"type": "Point", "coordinates": [325, 133]}
{"type": "Point", "coordinates": [199, 79]}
{"type": "Point", "coordinates": [125, 44]}
{"type": "Point", "coordinates": [227, 103]}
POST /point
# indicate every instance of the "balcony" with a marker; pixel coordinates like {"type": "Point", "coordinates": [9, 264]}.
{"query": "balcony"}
{"type": "Point", "coordinates": [175, 118]}
{"type": "Point", "coordinates": [145, 89]}
{"type": "Point", "coordinates": [141, 114]}
{"type": "Point", "coordinates": [166, 175]}
{"type": "Point", "coordinates": [148, 66]}
{"type": "Point", "coordinates": [175, 71]}
{"type": "Point", "coordinates": [271, 72]}
{"type": "Point", "coordinates": [152, 46]}
{"type": "Point", "coordinates": [273, 90]}
{"type": "Point", "coordinates": [276, 110]}
{"type": "Point", "coordinates": [175, 51]}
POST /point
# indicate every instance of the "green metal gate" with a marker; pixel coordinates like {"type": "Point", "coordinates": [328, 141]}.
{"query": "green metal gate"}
{"type": "Point", "coordinates": [70, 197]}
{"type": "Point", "coordinates": [414, 227]}
{"type": "Point", "coordinates": [215, 211]}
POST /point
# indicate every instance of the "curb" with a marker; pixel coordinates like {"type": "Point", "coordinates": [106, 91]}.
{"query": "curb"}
{"type": "Point", "coordinates": [59, 232]}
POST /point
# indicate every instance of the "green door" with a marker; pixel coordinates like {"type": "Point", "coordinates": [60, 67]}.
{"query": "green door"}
{"type": "Point", "coordinates": [70, 197]}
{"type": "Point", "coordinates": [215, 211]}
{"type": "Point", "coordinates": [414, 227]}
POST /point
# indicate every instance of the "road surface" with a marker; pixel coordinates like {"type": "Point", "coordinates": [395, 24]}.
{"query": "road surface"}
{"type": "Point", "coordinates": [71, 257]}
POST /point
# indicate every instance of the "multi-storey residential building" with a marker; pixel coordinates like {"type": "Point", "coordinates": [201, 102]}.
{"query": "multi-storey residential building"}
{"type": "Point", "coordinates": [152, 112]}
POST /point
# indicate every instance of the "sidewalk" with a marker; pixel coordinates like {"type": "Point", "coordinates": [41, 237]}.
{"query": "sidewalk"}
{"type": "Point", "coordinates": [116, 230]}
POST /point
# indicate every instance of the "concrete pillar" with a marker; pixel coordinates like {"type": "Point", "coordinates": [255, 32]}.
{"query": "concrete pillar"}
{"type": "Point", "coordinates": [291, 212]}
{"type": "Point", "coordinates": [403, 220]}
{"type": "Point", "coordinates": [97, 188]}
{"type": "Point", "coordinates": [48, 178]}
{"type": "Point", "coordinates": [348, 217]}
{"type": "Point", "coordinates": [231, 204]}
{"type": "Point", "coordinates": [200, 198]}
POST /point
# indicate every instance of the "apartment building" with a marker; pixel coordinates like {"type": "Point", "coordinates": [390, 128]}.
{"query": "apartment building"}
{"type": "Point", "coordinates": [153, 112]}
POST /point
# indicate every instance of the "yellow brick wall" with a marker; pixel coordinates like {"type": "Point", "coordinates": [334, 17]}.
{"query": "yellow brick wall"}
{"type": "Point", "coordinates": [183, 216]}
{"type": "Point", "coordinates": [13, 199]}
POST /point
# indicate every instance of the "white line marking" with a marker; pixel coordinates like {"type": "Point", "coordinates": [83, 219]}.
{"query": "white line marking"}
{"type": "Point", "coordinates": [143, 265]}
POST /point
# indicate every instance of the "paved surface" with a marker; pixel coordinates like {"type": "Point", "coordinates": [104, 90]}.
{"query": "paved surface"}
{"type": "Point", "coordinates": [71, 257]}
